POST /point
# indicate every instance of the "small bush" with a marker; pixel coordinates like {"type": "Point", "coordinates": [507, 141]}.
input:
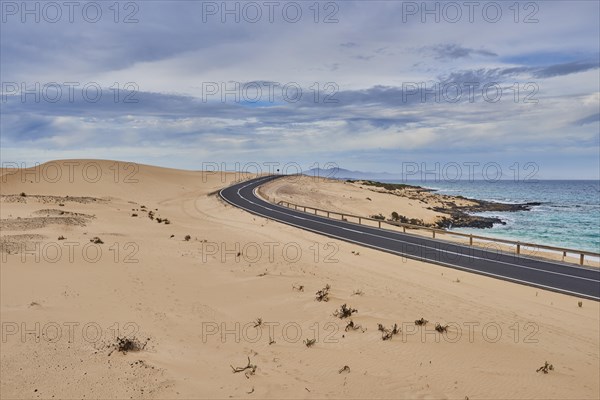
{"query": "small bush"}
{"type": "Point", "coordinates": [379, 217]}
{"type": "Point", "coordinates": [399, 218]}
{"type": "Point", "coordinates": [344, 312]}
{"type": "Point", "coordinates": [351, 326]}
{"type": "Point", "coordinates": [187, 238]}
{"type": "Point", "coordinates": [545, 368]}
{"type": "Point", "coordinates": [580, 304]}
{"type": "Point", "coordinates": [125, 345]}
{"type": "Point", "coordinates": [421, 322]}
{"type": "Point", "coordinates": [387, 334]}
{"type": "Point", "coordinates": [61, 237]}
{"type": "Point", "coordinates": [23, 194]}
{"type": "Point", "coordinates": [134, 215]}
{"type": "Point", "coordinates": [309, 342]}
{"type": "Point", "coordinates": [323, 294]}
{"type": "Point", "coordinates": [299, 288]}
{"type": "Point", "coordinates": [441, 328]}
{"type": "Point", "coordinates": [96, 240]}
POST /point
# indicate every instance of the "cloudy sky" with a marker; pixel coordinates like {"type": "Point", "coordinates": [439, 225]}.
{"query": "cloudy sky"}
{"type": "Point", "coordinates": [365, 85]}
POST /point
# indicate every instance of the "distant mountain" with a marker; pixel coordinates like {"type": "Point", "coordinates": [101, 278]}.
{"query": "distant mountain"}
{"type": "Point", "coordinates": [341, 173]}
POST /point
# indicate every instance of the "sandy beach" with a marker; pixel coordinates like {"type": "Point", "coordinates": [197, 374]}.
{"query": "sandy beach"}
{"type": "Point", "coordinates": [140, 282]}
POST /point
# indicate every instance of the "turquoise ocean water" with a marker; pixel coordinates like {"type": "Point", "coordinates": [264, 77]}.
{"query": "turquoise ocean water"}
{"type": "Point", "coordinates": [569, 215]}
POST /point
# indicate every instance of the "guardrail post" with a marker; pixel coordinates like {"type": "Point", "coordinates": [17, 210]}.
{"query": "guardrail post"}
{"type": "Point", "coordinates": [471, 240]}
{"type": "Point", "coordinates": [518, 248]}
{"type": "Point", "coordinates": [327, 214]}
{"type": "Point", "coordinates": [359, 221]}
{"type": "Point", "coordinates": [304, 209]}
{"type": "Point", "coordinates": [581, 259]}
{"type": "Point", "coordinates": [433, 234]}
{"type": "Point", "coordinates": [379, 224]}
{"type": "Point", "coordinates": [315, 211]}
{"type": "Point", "coordinates": [404, 229]}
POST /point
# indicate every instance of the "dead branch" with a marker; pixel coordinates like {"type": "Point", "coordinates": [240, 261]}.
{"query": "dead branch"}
{"type": "Point", "coordinates": [344, 369]}
{"type": "Point", "coordinates": [250, 369]}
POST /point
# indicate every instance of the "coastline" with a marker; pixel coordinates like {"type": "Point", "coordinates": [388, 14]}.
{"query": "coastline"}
{"type": "Point", "coordinates": [567, 213]}
{"type": "Point", "coordinates": [415, 205]}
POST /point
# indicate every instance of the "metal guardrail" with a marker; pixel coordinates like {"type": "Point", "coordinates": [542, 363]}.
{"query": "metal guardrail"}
{"type": "Point", "coordinates": [405, 226]}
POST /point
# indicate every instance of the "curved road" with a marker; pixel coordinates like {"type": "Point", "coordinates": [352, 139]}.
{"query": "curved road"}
{"type": "Point", "coordinates": [558, 277]}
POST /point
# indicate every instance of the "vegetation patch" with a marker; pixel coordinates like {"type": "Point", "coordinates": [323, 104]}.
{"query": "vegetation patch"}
{"type": "Point", "coordinates": [545, 368]}
{"type": "Point", "coordinates": [388, 333]}
{"type": "Point", "coordinates": [344, 312]}
{"type": "Point", "coordinates": [323, 294]}
{"type": "Point", "coordinates": [125, 345]}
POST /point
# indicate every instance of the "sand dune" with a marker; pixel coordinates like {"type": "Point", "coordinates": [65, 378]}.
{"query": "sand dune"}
{"type": "Point", "coordinates": [352, 198]}
{"type": "Point", "coordinates": [193, 304]}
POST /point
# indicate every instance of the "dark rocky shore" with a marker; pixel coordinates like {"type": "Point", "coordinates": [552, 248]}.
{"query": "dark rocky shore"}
{"type": "Point", "coordinates": [460, 217]}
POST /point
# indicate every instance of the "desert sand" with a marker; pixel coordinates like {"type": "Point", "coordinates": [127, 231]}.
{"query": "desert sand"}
{"type": "Point", "coordinates": [243, 288]}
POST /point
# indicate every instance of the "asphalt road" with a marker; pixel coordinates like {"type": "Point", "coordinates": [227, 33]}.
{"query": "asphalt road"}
{"type": "Point", "coordinates": [555, 276]}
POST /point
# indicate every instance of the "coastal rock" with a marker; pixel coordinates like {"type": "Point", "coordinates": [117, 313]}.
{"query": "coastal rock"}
{"type": "Point", "coordinates": [463, 220]}
{"type": "Point", "coordinates": [482, 205]}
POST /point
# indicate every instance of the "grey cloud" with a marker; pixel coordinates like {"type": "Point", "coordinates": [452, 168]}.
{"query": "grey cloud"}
{"type": "Point", "coordinates": [503, 74]}
{"type": "Point", "coordinates": [565, 69]}
{"type": "Point", "coordinates": [590, 119]}
{"type": "Point", "coordinates": [454, 51]}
